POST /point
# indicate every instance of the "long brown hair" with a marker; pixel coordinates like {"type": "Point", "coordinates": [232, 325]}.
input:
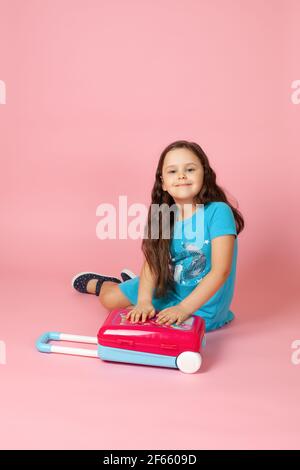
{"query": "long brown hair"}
{"type": "Point", "coordinates": [157, 251]}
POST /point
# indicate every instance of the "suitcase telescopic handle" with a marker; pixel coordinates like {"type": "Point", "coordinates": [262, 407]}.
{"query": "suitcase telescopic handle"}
{"type": "Point", "coordinates": [43, 346]}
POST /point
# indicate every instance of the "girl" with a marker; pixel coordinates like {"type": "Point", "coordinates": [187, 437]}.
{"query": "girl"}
{"type": "Point", "coordinates": [181, 276]}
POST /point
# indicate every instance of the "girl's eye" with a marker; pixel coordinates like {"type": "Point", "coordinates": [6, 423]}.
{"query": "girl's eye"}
{"type": "Point", "coordinates": [173, 171]}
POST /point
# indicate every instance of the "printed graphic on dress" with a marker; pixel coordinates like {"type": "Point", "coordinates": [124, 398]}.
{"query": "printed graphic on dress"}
{"type": "Point", "coordinates": [189, 264]}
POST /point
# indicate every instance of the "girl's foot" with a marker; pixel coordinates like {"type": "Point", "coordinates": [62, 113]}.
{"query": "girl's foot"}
{"type": "Point", "coordinates": [91, 286]}
{"type": "Point", "coordinates": [126, 274]}
{"type": "Point", "coordinates": [90, 283]}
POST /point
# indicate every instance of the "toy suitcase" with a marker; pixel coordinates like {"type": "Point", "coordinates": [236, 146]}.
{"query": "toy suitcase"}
{"type": "Point", "coordinates": [119, 340]}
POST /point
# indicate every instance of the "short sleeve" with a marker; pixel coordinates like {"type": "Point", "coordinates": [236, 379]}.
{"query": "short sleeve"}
{"type": "Point", "coordinates": [222, 221]}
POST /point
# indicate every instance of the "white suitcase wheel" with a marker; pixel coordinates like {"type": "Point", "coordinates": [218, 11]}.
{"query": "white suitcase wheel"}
{"type": "Point", "coordinates": [189, 362]}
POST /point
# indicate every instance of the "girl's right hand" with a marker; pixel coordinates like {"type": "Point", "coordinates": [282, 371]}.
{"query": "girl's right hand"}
{"type": "Point", "coordinates": [141, 309]}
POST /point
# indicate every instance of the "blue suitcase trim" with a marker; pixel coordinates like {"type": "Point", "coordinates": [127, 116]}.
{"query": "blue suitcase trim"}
{"type": "Point", "coordinates": [135, 357]}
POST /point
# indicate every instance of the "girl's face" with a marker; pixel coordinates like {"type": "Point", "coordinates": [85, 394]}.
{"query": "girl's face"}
{"type": "Point", "coordinates": [182, 175]}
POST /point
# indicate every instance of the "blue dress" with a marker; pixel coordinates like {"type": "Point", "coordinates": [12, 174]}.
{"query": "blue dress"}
{"type": "Point", "coordinates": [190, 250]}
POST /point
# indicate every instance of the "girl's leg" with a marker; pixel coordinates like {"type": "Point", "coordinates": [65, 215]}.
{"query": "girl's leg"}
{"type": "Point", "coordinates": [111, 296]}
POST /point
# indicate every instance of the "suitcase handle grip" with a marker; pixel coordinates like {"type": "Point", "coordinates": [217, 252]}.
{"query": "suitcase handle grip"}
{"type": "Point", "coordinates": [43, 346]}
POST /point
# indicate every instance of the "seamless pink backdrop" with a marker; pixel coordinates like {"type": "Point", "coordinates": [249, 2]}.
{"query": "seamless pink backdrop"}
{"type": "Point", "coordinates": [95, 91]}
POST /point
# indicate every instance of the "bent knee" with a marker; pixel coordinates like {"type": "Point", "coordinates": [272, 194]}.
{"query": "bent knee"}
{"type": "Point", "coordinates": [113, 298]}
{"type": "Point", "coordinates": [107, 299]}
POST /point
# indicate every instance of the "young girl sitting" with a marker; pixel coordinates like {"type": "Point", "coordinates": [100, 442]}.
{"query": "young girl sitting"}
{"type": "Point", "coordinates": [191, 272]}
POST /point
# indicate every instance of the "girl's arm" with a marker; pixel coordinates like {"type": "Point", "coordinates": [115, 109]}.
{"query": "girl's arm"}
{"type": "Point", "coordinates": [144, 307]}
{"type": "Point", "coordinates": [221, 262]}
{"type": "Point", "coordinates": [210, 284]}
{"type": "Point", "coordinates": [146, 284]}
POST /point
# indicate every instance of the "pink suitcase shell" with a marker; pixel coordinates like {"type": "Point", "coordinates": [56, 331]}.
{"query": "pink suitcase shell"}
{"type": "Point", "coordinates": [148, 343]}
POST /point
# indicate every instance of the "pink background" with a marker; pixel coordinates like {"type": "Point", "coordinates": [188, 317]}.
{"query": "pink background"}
{"type": "Point", "coordinates": [95, 91]}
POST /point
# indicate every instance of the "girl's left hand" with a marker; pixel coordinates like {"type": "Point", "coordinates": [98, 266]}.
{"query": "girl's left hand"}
{"type": "Point", "coordinates": [172, 314]}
